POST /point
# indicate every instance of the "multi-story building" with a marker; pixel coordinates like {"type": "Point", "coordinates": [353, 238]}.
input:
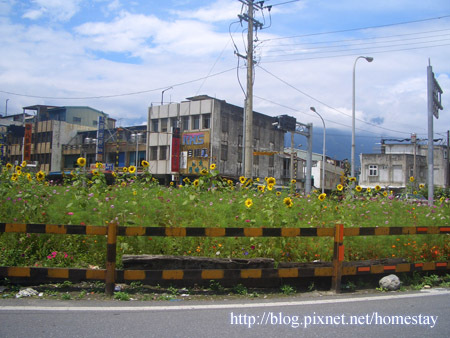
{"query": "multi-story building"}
{"type": "Point", "coordinates": [48, 130]}
{"type": "Point", "coordinates": [398, 161]}
{"type": "Point", "coordinates": [186, 137]}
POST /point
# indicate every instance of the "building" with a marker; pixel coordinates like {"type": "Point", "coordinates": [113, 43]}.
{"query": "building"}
{"type": "Point", "coordinates": [334, 169]}
{"type": "Point", "coordinates": [398, 161]}
{"type": "Point", "coordinates": [122, 146]}
{"type": "Point", "coordinates": [186, 137]}
{"type": "Point", "coordinates": [46, 131]}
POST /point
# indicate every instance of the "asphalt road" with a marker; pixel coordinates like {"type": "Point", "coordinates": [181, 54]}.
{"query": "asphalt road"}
{"type": "Point", "coordinates": [407, 314]}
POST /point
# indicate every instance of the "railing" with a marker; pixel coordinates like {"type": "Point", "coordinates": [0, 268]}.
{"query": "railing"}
{"type": "Point", "coordinates": [111, 275]}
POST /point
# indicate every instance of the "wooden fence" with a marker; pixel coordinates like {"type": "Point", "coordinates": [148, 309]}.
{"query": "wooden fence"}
{"type": "Point", "coordinates": [111, 275]}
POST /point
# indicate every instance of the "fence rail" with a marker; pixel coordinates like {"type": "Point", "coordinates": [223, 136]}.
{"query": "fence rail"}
{"type": "Point", "coordinates": [336, 269]}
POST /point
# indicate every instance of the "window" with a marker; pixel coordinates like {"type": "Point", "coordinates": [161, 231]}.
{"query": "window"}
{"type": "Point", "coordinates": [206, 121]}
{"type": "Point", "coordinates": [164, 125]}
{"type": "Point", "coordinates": [224, 122]}
{"type": "Point", "coordinates": [95, 123]}
{"type": "Point", "coordinates": [373, 170]}
{"type": "Point", "coordinates": [240, 140]}
{"type": "Point", "coordinates": [224, 152]}
{"type": "Point", "coordinates": [155, 126]}
{"type": "Point", "coordinates": [76, 119]}
{"type": "Point", "coordinates": [185, 123]}
{"type": "Point", "coordinates": [255, 160]}
{"type": "Point", "coordinates": [271, 161]}
{"type": "Point", "coordinates": [163, 152]}
{"type": "Point", "coordinates": [239, 155]}
{"type": "Point", "coordinates": [174, 122]}
{"type": "Point", "coordinates": [196, 122]}
{"type": "Point", "coordinates": [153, 153]}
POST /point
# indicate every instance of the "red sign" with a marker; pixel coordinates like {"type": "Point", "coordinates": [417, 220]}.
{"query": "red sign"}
{"type": "Point", "coordinates": [27, 142]}
{"type": "Point", "coordinates": [175, 161]}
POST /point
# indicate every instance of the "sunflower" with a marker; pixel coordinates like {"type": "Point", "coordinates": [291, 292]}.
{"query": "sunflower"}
{"type": "Point", "coordinates": [186, 180]}
{"type": "Point", "coordinates": [257, 179]}
{"type": "Point", "coordinates": [212, 166]}
{"type": "Point", "coordinates": [368, 190]}
{"type": "Point", "coordinates": [293, 181]}
{"type": "Point", "coordinates": [415, 192]}
{"type": "Point", "coordinates": [9, 166]}
{"type": "Point", "coordinates": [131, 169]}
{"type": "Point", "coordinates": [171, 184]}
{"type": "Point", "coordinates": [242, 179]}
{"type": "Point", "coordinates": [377, 188]}
{"type": "Point", "coordinates": [421, 186]}
{"type": "Point", "coordinates": [81, 161]}
{"type": "Point", "coordinates": [18, 168]}
{"type": "Point", "coordinates": [288, 202]}
{"type": "Point", "coordinates": [322, 197]}
{"type": "Point", "coordinates": [352, 179]}
{"type": "Point", "coordinates": [123, 184]}
{"type": "Point", "coordinates": [204, 172]}
{"type": "Point", "coordinates": [385, 193]}
{"type": "Point", "coordinates": [411, 179]}
{"type": "Point", "coordinates": [340, 187]}
{"type": "Point", "coordinates": [270, 187]}
{"type": "Point", "coordinates": [196, 183]}
{"type": "Point", "coordinates": [95, 172]}
{"type": "Point", "coordinates": [24, 164]}
{"type": "Point", "coordinates": [248, 202]}
{"type": "Point", "coordinates": [271, 180]}
{"type": "Point", "coordinates": [358, 188]}
{"type": "Point", "coordinates": [124, 169]}
{"type": "Point", "coordinates": [278, 193]}
{"type": "Point", "coordinates": [144, 163]}
{"type": "Point", "coordinates": [14, 177]}
{"type": "Point", "coordinates": [261, 188]}
{"type": "Point", "coordinates": [442, 199]}
{"type": "Point", "coordinates": [29, 177]}
{"type": "Point", "coordinates": [40, 175]}
{"type": "Point", "coordinates": [99, 165]}
{"type": "Point", "coordinates": [114, 174]}
{"type": "Point", "coordinates": [230, 183]}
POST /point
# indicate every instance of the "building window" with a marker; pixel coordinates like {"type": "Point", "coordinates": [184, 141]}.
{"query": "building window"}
{"type": "Point", "coordinates": [95, 123]}
{"type": "Point", "coordinates": [255, 160]}
{"type": "Point", "coordinates": [163, 153]}
{"type": "Point", "coordinates": [373, 170]}
{"type": "Point", "coordinates": [206, 121]}
{"type": "Point", "coordinates": [240, 140]}
{"type": "Point", "coordinates": [174, 122]}
{"type": "Point", "coordinates": [185, 123]}
{"type": "Point", "coordinates": [239, 159]}
{"type": "Point", "coordinates": [224, 152]}
{"type": "Point", "coordinates": [155, 125]}
{"type": "Point", "coordinates": [164, 125]}
{"type": "Point", "coordinates": [153, 153]}
{"type": "Point", "coordinates": [271, 161]}
{"type": "Point", "coordinates": [76, 119]}
{"type": "Point", "coordinates": [196, 122]}
{"type": "Point", "coordinates": [224, 122]}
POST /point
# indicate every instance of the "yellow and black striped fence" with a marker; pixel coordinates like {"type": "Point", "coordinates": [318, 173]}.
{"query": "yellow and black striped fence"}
{"type": "Point", "coordinates": [111, 275]}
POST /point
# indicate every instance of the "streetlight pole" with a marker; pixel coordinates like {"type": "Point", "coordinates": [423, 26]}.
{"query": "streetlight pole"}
{"type": "Point", "coordinates": [323, 149]}
{"type": "Point", "coordinates": [368, 59]}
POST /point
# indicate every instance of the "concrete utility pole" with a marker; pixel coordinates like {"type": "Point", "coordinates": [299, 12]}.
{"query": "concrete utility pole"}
{"type": "Point", "coordinates": [248, 143]}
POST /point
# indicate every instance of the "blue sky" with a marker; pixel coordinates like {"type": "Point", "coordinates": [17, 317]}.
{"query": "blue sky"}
{"type": "Point", "coordinates": [118, 56]}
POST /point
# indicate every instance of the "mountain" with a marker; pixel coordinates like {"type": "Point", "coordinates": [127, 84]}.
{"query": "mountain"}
{"type": "Point", "coordinates": [338, 143]}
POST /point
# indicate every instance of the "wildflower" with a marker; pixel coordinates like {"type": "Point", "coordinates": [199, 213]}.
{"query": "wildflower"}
{"type": "Point", "coordinates": [340, 187]}
{"type": "Point", "coordinates": [98, 165]}
{"type": "Point", "coordinates": [144, 163]}
{"type": "Point", "coordinates": [131, 169]}
{"type": "Point", "coordinates": [212, 166]}
{"type": "Point", "coordinates": [70, 213]}
{"type": "Point", "coordinates": [81, 161]}
{"type": "Point", "coordinates": [411, 179]}
{"type": "Point", "coordinates": [358, 188]}
{"type": "Point", "coordinates": [248, 202]}
{"type": "Point", "coordinates": [322, 197]}
{"type": "Point", "coordinates": [377, 188]}
{"type": "Point", "coordinates": [288, 202]}
{"type": "Point", "coordinates": [242, 179]}
{"type": "Point", "coordinates": [271, 180]}
{"type": "Point", "coordinates": [204, 172]}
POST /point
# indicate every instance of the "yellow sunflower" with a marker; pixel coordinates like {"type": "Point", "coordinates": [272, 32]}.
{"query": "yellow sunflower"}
{"type": "Point", "coordinates": [40, 176]}
{"type": "Point", "coordinates": [261, 188]}
{"type": "Point", "coordinates": [421, 186]}
{"type": "Point", "coordinates": [352, 179]}
{"type": "Point", "coordinates": [196, 183]}
{"type": "Point", "coordinates": [270, 187]}
{"type": "Point", "coordinates": [411, 179]}
{"type": "Point", "coordinates": [81, 161]}
{"type": "Point", "coordinates": [368, 190]}
{"type": "Point", "coordinates": [385, 193]}
{"type": "Point", "coordinates": [288, 202]}
{"type": "Point", "coordinates": [322, 197]}
{"type": "Point", "coordinates": [24, 164]}
{"type": "Point", "coordinates": [293, 181]}
{"type": "Point", "coordinates": [124, 169]}
{"type": "Point", "coordinates": [186, 180]}
{"type": "Point", "coordinates": [9, 166]}
{"type": "Point", "coordinates": [377, 188]}
{"type": "Point", "coordinates": [248, 202]}
{"type": "Point", "coordinates": [242, 179]}
{"type": "Point", "coordinates": [212, 166]}
{"type": "Point", "coordinates": [131, 169]}
{"type": "Point", "coordinates": [204, 172]}
{"type": "Point", "coordinates": [340, 187]}
{"type": "Point", "coordinates": [278, 193]}
{"type": "Point", "coordinates": [144, 163]}
{"type": "Point", "coordinates": [358, 188]}
{"type": "Point", "coordinates": [271, 180]}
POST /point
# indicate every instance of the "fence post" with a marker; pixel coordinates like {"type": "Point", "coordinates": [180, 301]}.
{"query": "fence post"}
{"type": "Point", "coordinates": [338, 257]}
{"type": "Point", "coordinates": [110, 278]}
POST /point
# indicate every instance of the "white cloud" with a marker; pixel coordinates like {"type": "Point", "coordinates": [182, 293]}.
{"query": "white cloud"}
{"type": "Point", "coordinates": [220, 10]}
{"type": "Point", "coordinates": [56, 10]}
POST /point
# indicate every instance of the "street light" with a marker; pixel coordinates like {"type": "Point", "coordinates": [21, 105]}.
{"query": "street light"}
{"type": "Point", "coordinates": [323, 149]}
{"type": "Point", "coordinates": [368, 59]}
